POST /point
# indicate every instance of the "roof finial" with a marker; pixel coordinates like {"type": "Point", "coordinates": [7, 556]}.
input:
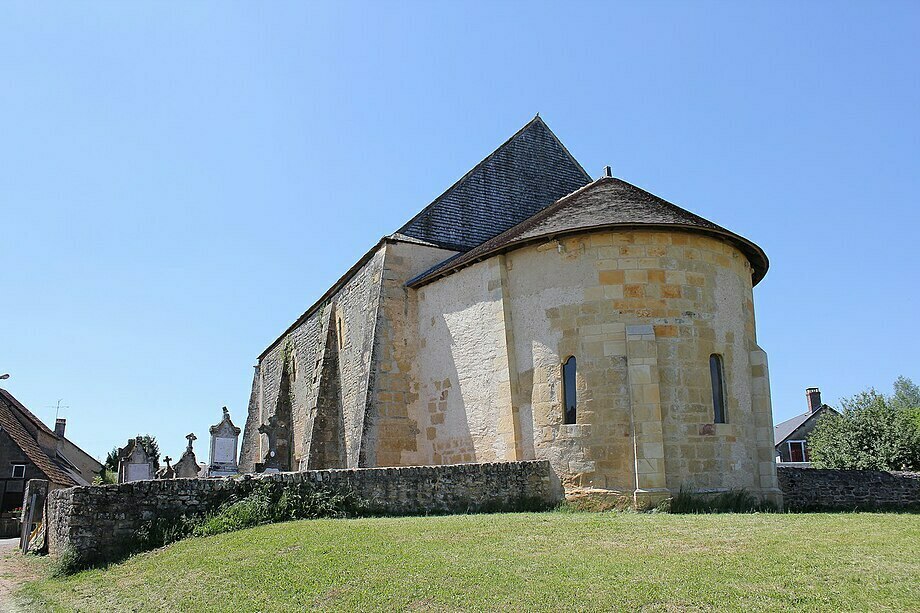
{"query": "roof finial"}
{"type": "Point", "coordinates": [608, 172]}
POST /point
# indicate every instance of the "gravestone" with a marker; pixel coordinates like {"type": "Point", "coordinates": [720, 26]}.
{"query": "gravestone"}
{"type": "Point", "coordinates": [187, 466]}
{"type": "Point", "coordinates": [276, 458]}
{"type": "Point", "coordinates": [224, 443]}
{"type": "Point", "coordinates": [133, 463]}
{"type": "Point", "coordinates": [167, 472]}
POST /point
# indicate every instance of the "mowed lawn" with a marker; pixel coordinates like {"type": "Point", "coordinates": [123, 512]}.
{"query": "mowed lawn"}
{"type": "Point", "coordinates": [521, 562]}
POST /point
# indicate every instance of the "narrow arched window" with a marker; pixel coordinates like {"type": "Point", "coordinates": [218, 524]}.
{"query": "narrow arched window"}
{"type": "Point", "coordinates": [717, 376]}
{"type": "Point", "coordinates": [568, 389]}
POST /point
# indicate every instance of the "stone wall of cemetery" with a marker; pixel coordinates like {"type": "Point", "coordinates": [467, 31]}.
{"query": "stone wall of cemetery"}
{"type": "Point", "coordinates": [812, 489]}
{"type": "Point", "coordinates": [101, 523]}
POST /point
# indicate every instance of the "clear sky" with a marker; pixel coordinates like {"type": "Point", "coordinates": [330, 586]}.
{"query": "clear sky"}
{"type": "Point", "coordinates": [179, 181]}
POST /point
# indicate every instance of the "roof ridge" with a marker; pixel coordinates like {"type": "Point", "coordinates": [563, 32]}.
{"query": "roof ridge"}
{"type": "Point", "coordinates": [29, 446]}
{"type": "Point", "coordinates": [27, 413]}
{"type": "Point", "coordinates": [536, 120]}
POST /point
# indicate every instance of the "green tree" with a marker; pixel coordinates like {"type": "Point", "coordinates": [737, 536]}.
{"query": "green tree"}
{"type": "Point", "coordinates": [873, 432]}
{"type": "Point", "coordinates": [111, 460]}
{"type": "Point", "coordinates": [149, 444]}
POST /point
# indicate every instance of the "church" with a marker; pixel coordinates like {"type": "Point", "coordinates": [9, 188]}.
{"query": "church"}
{"type": "Point", "coordinates": [530, 312]}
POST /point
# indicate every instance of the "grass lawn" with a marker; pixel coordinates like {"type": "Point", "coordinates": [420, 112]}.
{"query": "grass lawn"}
{"type": "Point", "coordinates": [526, 561]}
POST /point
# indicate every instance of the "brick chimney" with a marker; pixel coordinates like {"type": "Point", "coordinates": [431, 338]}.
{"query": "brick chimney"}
{"type": "Point", "coordinates": [813, 394]}
{"type": "Point", "coordinates": [59, 426]}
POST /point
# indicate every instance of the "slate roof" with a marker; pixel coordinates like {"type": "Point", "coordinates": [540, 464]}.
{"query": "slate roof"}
{"type": "Point", "coordinates": [27, 443]}
{"type": "Point", "coordinates": [607, 202]}
{"type": "Point", "coordinates": [783, 430]}
{"type": "Point", "coordinates": [527, 173]}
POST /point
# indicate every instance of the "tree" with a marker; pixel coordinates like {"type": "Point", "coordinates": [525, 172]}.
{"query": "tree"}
{"type": "Point", "coordinates": [149, 445]}
{"type": "Point", "coordinates": [906, 393]}
{"type": "Point", "coordinates": [111, 460]}
{"type": "Point", "coordinates": [873, 432]}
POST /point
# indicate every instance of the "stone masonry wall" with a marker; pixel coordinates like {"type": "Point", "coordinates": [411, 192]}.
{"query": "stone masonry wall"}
{"type": "Point", "coordinates": [642, 312]}
{"type": "Point", "coordinates": [812, 489]}
{"type": "Point", "coordinates": [101, 523]}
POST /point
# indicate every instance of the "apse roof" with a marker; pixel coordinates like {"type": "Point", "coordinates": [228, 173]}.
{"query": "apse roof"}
{"type": "Point", "coordinates": [606, 203]}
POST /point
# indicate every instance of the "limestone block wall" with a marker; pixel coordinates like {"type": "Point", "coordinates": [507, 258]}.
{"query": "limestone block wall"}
{"type": "Point", "coordinates": [811, 489]}
{"type": "Point", "coordinates": [393, 432]}
{"type": "Point", "coordinates": [102, 523]}
{"type": "Point", "coordinates": [642, 311]}
{"type": "Point", "coordinates": [462, 368]}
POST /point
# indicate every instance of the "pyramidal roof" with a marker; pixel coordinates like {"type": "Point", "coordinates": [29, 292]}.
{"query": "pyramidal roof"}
{"type": "Point", "coordinates": [606, 203]}
{"type": "Point", "coordinates": [530, 171]}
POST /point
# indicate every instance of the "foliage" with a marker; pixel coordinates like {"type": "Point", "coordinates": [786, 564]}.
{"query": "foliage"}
{"type": "Point", "coordinates": [906, 394]}
{"type": "Point", "coordinates": [873, 432]}
{"type": "Point", "coordinates": [150, 446]}
{"type": "Point", "coordinates": [731, 501]}
{"type": "Point", "coordinates": [111, 460]}
{"type": "Point", "coordinates": [519, 562]}
{"type": "Point", "coordinates": [67, 563]}
{"type": "Point", "coordinates": [106, 476]}
{"type": "Point", "coordinates": [271, 502]}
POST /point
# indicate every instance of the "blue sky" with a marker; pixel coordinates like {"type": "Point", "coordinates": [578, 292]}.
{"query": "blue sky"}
{"type": "Point", "coordinates": [179, 181]}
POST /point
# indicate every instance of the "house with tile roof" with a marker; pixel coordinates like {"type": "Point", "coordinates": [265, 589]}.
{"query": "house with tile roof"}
{"type": "Point", "coordinates": [530, 312]}
{"type": "Point", "coordinates": [31, 450]}
{"type": "Point", "coordinates": [791, 436]}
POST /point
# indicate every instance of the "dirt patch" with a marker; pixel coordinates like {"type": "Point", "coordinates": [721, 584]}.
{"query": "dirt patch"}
{"type": "Point", "coordinates": [15, 569]}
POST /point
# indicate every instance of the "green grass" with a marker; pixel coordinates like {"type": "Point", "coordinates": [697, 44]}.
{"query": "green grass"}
{"type": "Point", "coordinates": [522, 562]}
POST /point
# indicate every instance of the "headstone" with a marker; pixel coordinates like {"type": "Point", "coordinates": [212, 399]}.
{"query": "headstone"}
{"type": "Point", "coordinates": [224, 439]}
{"type": "Point", "coordinates": [133, 463]}
{"type": "Point", "coordinates": [276, 431]}
{"type": "Point", "coordinates": [167, 472]}
{"type": "Point", "coordinates": [187, 466]}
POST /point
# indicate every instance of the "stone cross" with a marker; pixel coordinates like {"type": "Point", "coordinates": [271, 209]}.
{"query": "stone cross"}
{"type": "Point", "coordinates": [167, 459]}
{"type": "Point", "coordinates": [275, 429]}
{"type": "Point", "coordinates": [191, 438]}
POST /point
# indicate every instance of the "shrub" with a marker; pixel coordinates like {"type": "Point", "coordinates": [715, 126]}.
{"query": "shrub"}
{"type": "Point", "coordinates": [66, 564]}
{"type": "Point", "coordinates": [731, 501]}
{"type": "Point", "coordinates": [873, 432]}
{"type": "Point", "coordinates": [271, 502]}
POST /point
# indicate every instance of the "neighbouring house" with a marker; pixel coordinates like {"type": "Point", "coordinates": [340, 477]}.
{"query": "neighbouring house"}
{"type": "Point", "coordinates": [532, 312]}
{"type": "Point", "coordinates": [31, 450]}
{"type": "Point", "coordinates": [791, 436]}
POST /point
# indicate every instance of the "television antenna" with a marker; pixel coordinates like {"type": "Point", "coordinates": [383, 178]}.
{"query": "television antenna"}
{"type": "Point", "coordinates": [57, 408]}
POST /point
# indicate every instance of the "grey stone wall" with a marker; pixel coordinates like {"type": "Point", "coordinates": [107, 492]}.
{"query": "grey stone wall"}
{"type": "Point", "coordinates": [103, 523]}
{"type": "Point", "coordinates": [352, 309]}
{"type": "Point", "coordinates": [812, 489]}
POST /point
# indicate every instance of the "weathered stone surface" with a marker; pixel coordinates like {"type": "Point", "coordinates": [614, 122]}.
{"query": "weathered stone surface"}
{"type": "Point", "coordinates": [812, 489]}
{"type": "Point", "coordinates": [100, 523]}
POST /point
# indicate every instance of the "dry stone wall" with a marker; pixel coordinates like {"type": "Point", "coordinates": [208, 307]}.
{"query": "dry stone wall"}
{"type": "Point", "coordinates": [102, 523]}
{"type": "Point", "coordinates": [812, 489]}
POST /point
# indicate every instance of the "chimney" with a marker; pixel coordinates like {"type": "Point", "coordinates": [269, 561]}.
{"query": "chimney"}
{"type": "Point", "coordinates": [59, 426]}
{"type": "Point", "coordinates": [608, 172]}
{"type": "Point", "coordinates": [813, 394]}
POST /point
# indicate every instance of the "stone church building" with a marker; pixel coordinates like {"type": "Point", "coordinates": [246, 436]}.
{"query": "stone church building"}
{"type": "Point", "coordinates": [530, 312]}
